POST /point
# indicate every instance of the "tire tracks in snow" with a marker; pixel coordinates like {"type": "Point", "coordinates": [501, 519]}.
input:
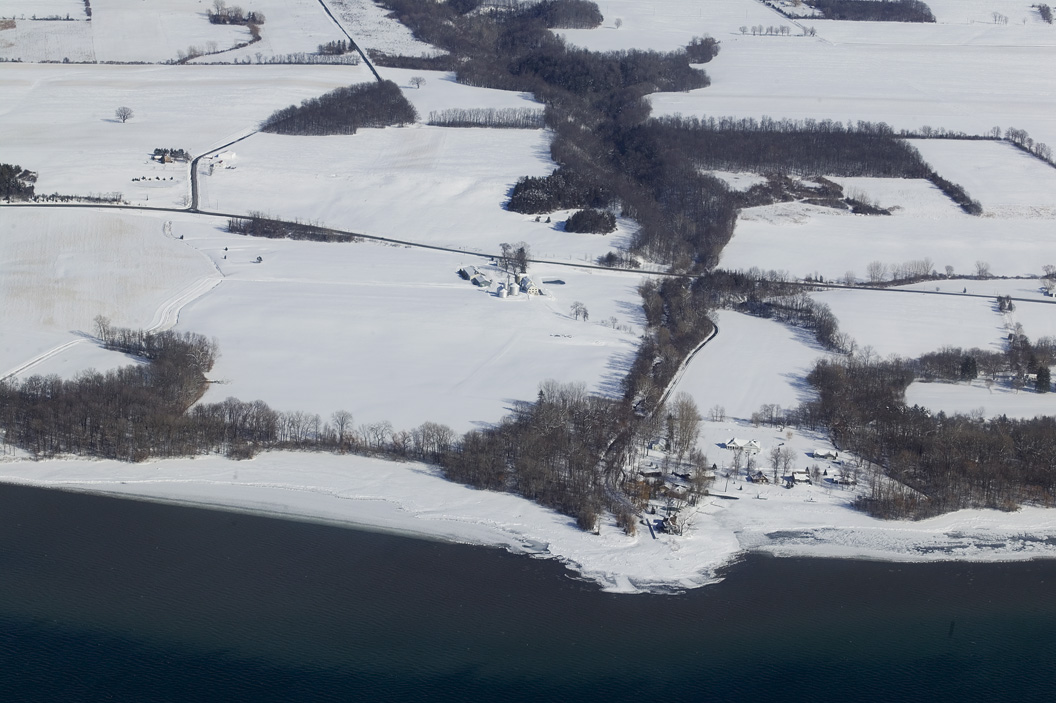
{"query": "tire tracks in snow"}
{"type": "Point", "coordinates": [166, 316]}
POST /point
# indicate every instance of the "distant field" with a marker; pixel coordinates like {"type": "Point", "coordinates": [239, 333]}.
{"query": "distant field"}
{"type": "Point", "coordinates": [908, 76]}
{"type": "Point", "coordinates": [805, 240]}
{"type": "Point", "coordinates": [1007, 181]}
{"type": "Point", "coordinates": [43, 40]}
{"type": "Point", "coordinates": [963, 398]}
{"type": "Point", "coordinates": [42, 8]}
{"type": "Point", "coordinates": [122, 30]}
{"type": "Point", "coordinates": [910, 325]}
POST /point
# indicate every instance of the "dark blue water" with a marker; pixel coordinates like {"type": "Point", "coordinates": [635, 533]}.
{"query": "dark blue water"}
{"type": "Point", "coordinates": [105, 599]}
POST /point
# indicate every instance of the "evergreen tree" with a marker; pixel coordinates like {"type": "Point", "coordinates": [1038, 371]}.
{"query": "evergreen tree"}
{"type": "Point", "coordinates": [1044, 380]}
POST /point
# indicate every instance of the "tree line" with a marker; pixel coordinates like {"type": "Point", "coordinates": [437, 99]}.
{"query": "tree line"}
{"type": "Point", "coordinates": [491, 117]}
{"type": "Point", "coordinates": [591, 221]}
{"type": "Point", "coordinates": [874, 10]}
{"type": "Point", "coordinates": [344, 111]}
{"type": "Point", "coordinates": [16, 183]}
{"type": "Point", "coordinates": [257, 225]}
{"type": "Point", "coordinates": [937, 462]}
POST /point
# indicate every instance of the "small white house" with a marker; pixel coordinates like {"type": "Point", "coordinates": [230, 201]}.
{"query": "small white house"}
{"type": "Point", "coordinates": [529, 287]}
{"type": "Point", "coordinates": [824, 453]}
{"type": "Point", "coordinates": [749, 445]}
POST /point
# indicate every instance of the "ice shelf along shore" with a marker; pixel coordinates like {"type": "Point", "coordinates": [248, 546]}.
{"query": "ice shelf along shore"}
{"type": "Point", "coordinates": [413, 499]}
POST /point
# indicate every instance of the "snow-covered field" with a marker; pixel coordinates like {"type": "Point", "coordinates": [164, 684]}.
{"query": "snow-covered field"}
{"type": "Point", "coordinates": [387, 333]}
{"type": "Point", "coordinates": [750, 362]}
{"type": "Point", "coordinates": [42, 40]}
{"type": "Point", "coordinates": [59, 120]}
{"type": "Point", "coordinates": [435, 185]}
{"type": "Point", "coordinates": [976, 397]}
{"type": "Point", "coordinates": [123, 30]}
{"type": "Point", "coordinates": [909, 324]}
{"type": "Point", "coordinates": [807, 240]}
{"type": "Point", "coordinates": [667, 25]}
{"type": "Point", "coordinates": [61, 268]}
{"type": "Point", "coordinates": [393, 334]}
{"type": "Point", "coordinates": [1009, 183]}
{"type": "Point", "coordinates": [1034, 311]}
{"type": "Point", "coordinates": [291, 27]}
{"type": "Point", "coordinates": [966, 77]}
{"type": "Point", "coordinates": [42, 8]}
{"type": "Point", "coordinates": [375, 31]}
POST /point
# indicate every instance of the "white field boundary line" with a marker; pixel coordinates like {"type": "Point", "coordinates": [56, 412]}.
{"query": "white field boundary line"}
{"type": "Point", "coordinates": [38, 359]}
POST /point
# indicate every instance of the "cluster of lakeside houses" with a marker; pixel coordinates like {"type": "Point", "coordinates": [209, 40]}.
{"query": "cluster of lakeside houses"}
{"type": "Point", "coordinates": [832, 471]}
{"type": "Point", "coordinates": [519, 283]}
{"type": "Point", "coordinates": [675, 486]}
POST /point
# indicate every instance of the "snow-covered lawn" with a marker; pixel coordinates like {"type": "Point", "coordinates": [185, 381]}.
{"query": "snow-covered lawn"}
{"type": "Point", "coordinates": [750, 362]}
{"type": "Point", "coordinates": [910, 324]}
{"type": "Point", "coordinates": [393, 334]}
{"type": "Point", "coordinates": [435, 185]}
{"type": "Point", "coordinates": [59, 120]}
{"type": "Point", "coordinates": [61, 268]}
{"type": "Point", "coordinates": [992, 402]}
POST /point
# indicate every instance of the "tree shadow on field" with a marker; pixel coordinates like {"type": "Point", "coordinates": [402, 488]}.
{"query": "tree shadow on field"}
{"type": "Point", "coordinates": [616, 369]}
{"type": "Point", "coordinates": [633, 312]}
{"type": "Point", "coordinates": [804, 391]}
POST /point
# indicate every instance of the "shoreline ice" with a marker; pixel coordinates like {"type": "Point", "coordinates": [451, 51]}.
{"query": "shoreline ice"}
{"type": "Point", "coordinates": [414, 500]}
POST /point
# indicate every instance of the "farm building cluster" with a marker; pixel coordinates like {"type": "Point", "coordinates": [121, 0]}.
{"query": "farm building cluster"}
{"type": "Point", "coordinates": [516, 284]}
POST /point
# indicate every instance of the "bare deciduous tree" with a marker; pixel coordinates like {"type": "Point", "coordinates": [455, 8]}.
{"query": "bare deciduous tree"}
{"type": "Point", "coordinates": [876, 271]}
{"type": "Point", "coordinates": [417, 81]}
{"type": "Point", "coordinates": [123, 113]}
{"type": "Point", "coordinates": [684, 421]}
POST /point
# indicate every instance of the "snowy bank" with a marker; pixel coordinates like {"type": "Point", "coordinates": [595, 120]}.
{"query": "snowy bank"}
{"type": "Point", "coordinates": [413, 499]}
